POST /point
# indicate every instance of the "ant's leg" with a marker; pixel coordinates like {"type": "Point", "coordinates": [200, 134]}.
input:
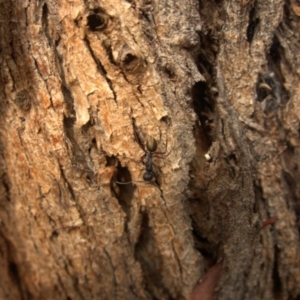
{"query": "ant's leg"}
{"type": "Point", "coordinates": [163, 154]}
{"type": "Point", "coordinates": [128, 182]}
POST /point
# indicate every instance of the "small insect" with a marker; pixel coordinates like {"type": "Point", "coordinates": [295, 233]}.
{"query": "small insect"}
{"type": "Point", "coordinates": [150, 152]}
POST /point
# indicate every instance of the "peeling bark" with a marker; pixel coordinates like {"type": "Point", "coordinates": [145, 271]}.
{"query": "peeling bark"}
{"type": "Point", "coordinates": [216, 84]}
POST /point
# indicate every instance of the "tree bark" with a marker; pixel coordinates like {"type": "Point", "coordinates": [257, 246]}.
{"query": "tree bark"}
{"type": "Point", "coordinates": [216, 84]}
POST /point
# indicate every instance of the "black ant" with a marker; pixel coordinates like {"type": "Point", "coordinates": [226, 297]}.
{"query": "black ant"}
{"type": "Point", "coordinates": [150, 152]}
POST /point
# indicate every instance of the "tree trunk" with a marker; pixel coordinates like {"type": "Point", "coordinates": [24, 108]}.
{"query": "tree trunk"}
{"type": "Point", "coordinates": [85, 84]}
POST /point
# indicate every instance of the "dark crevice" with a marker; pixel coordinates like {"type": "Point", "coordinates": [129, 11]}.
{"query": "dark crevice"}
{"type": "Point", "coordinates": [100, 67]}
{"type": "Point", "coordinates": [14, 273]}
{"type": "Point", "coordinates": [277, 286]}
{"type": "Point", "coordinates": [203, 94]}
{"type": "Point", "coordinates": [145, 15]}
{"type": "Point", "coordinates": [70, 188]}
{"type": "Point", "coordinates": [123, 192]}
{"type": "Point", "coordinates": [144, 253]}
{"type": "Point", "coordinates": [69, 101]}
{"type": "Point", "coordinates": [204, 107]}
{"type": "Point", "coordinates": [110, 161]}
{"type": "Point", "coordinates": [13, 269]}
{"type": "Point", "coordinates": [108, 51]}
{"type": "Point", "coordinates": [93, 145]}
{"type": "Point", "coordinates": [202, 244]}
{"type": "Point", "coordinates": [6, 184]}
{"type": "Point", "coordinates": [45, 25]}
{"type": "Point", "coordinates": [276, 51]}
{"type": "Point", "coordinates": [123, 174]}
{"type": "Point", "coordinates": [86, 127]}
{"type": "Point", "coordinates": [253, 23]}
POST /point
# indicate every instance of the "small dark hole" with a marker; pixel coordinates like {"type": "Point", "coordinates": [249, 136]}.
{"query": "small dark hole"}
{"type": "Point", "coordinates": [55, 234]}
{"type": "Point", "coordinates": [14, 272]}
{"type": "Point", "coordinates": [110, 161]}
{"type": "Point", "coordinates": [253, 23]}
{"type": "Point", "coordinates": [166, 120]}
{"type": "Point", "coordinates": [129, 58]}
{"type": "Point", "coordinates": [123, 174]}
{"type": "Point", "coordinates": [95, 22]}
{"type": "Point", "coordinates": [169, 72]}
{"type": "Point", "coordinates": [232, 157]}
{"type": "Point", "coordinates": [89, 176]}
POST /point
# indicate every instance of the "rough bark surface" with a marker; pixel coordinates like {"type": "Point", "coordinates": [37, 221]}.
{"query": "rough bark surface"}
{"type": "Point", "coordinates": [215, 83]}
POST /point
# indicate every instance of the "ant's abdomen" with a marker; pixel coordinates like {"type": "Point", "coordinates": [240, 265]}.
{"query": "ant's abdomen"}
{"type": "Point", "coordinates": [148, 176]}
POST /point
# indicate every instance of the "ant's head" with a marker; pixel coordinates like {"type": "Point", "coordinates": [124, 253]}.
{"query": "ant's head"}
{"type": "Point", "coordinates": [151, 144]}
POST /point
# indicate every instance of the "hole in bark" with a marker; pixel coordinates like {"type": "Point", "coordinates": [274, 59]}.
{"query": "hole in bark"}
{"type": "Point", "coordinates": [276, 50]}
{"type": "Point", "coordinates": [169, 70]}
{"type": "Point", "coordinates": [6, 185]}
{"type": "Point", "coordinates": [277, 287]}
{"type": "Point", "coordinates": [45, 11]}
{"type": "Point", "coordinates": [45, 22]}
{"type": "Point", "coordinates": [123, 192]}
{"type": "Point", "coordinates": [123, 174]}
{"type": "Point", "coordinates": [96, 22]}
{"type": "Point", "coordinates": [165, 120]}
{"type": "Point", "coordinates": [55, 234]}
{"type": "Point", "coordinates": [231, 159]}
{"type": "Point", "coordinates": [150, 260]}
{"type": "Point", "coordinates": [69, 101]}
{"type": "Point", "coordinates": [110, 161]}
{"type": "Point", "coordinates": [130, 61]}
{"type": "Point", "coordinates": [205, 248]}
{"type": "Point", "coordinates": [251, 29]}
{"type": "Point", "coordinates": [204, 66]}
{"type": "Point", "coordinates": [14, 272]}
{"type": "Point", "coordinates": [204, 108]}
{"type": "Point", "coordinates": [253, 23]}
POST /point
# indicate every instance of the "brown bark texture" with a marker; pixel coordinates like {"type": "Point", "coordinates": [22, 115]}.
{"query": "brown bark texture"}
{"type": "Point", "coordinates": [215, 83]}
